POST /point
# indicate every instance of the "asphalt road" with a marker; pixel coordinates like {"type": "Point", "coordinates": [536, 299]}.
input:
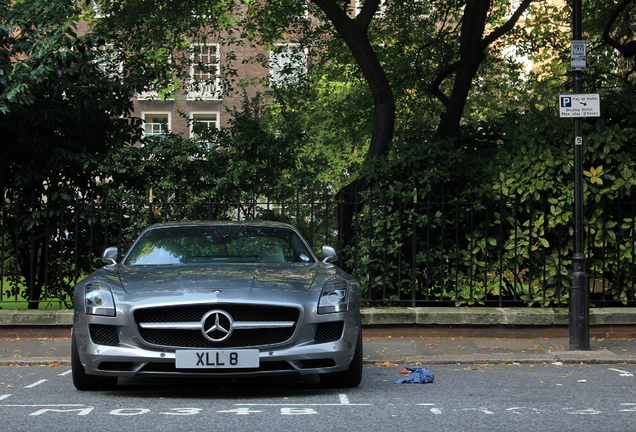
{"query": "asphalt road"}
{"type": "Point", "coordinates": [490, 397]}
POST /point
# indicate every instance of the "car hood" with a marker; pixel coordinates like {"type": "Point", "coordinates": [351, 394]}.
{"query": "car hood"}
{"type": "Point", "coordinates": [182, 278]}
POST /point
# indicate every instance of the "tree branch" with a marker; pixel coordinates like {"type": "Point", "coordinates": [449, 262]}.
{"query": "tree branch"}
{"type": "Point", "coordinates": [509, 25]}
{"type": "Point", "coordinates": [627, 50]}
{"type": "Point", "coordinates": [369, 8]}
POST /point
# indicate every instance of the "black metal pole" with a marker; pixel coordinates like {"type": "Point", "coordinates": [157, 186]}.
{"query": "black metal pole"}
{"type": "Point", "coordinates": [579, 315]}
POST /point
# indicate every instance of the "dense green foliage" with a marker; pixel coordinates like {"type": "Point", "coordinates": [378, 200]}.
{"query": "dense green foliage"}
{"type": "Point", "coordinates": [60, 114]}
{"type": "Point", "coordinates": [494, 220]}
{"type": "Point", "coordinates": [500, 182]}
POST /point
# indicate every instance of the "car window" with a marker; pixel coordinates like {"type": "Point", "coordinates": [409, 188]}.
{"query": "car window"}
{"type": "Point", "coordinates": [218, 244]}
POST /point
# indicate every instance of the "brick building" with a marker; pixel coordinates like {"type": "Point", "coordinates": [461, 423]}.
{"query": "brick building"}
{"type": "Point", "coordinates": [207, 105]}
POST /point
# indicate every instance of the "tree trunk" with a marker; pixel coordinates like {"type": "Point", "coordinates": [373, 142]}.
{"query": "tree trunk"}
{"type": "Point", "coordinates": [355, 34]}
{"type": "Point", "coordinates": [470, 57]}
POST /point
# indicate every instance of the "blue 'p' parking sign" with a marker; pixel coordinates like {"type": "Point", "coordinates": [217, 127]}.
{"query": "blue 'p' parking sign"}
{"type": "Point", "coordinates": [580, 105]}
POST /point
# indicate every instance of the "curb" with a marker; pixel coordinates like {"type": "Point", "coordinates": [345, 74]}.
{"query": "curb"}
{"type": "Point", "coordinates": [36, 361]}
{"type": "Point", "coordinates": [570, 357]}
{"type": "Point", "coordinates": [398, 316]}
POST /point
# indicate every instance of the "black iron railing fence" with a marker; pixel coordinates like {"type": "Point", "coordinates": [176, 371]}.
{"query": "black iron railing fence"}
{"type": "Point", "coordinates": [404, 253]}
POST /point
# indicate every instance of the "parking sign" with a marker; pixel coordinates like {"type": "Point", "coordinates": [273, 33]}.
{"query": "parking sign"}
{"type": "Point", "coordinates": [578, 56]}
{"type": "Point", "coordinates": [580, 105]}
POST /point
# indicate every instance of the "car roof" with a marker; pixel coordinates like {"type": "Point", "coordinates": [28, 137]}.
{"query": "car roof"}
{"type": "Point", "coordinates": [220, 223]}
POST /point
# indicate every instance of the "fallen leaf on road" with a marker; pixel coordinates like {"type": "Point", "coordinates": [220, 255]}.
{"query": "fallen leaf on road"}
{"type": "Point", "coordinates": [387, 364]}
{"type": "Point", "coordinates": [56, 364]}
{"type": "Point", "coordinates": [9, 386]}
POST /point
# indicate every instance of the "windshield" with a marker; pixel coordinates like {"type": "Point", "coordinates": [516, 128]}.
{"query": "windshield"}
{"type": "Point", "coordinates": [218, 244]}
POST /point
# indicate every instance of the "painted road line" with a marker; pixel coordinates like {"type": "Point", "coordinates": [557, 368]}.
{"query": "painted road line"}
{"type": "Point", "coordinates": [37, 383]}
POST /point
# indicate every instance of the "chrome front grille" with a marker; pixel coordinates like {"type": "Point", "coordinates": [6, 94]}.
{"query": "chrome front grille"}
{"type": "Point", "coordinates": [180, 326]}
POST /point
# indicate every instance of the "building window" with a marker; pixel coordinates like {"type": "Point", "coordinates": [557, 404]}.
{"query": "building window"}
{"type": "Point", "coordinates": [379, 13]}
{"type": "Point", "coordinates": [148, 95]}
{"type": "Point", "coordinates": [205, 73]}
{"type": "Point", "coordinates": [156, 124]}
{"type": "Point", "coordinates": [108, 63]}
{"type": "Point", "coordinates": [287, 64]}
{"type": "Point", "coordinates": [202, 128]}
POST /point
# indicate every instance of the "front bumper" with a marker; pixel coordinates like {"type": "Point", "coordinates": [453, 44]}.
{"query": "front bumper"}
{"type": "Point", "coordinates": [130, 356]}
{"type": "Point", "coordinates": [299, 360]}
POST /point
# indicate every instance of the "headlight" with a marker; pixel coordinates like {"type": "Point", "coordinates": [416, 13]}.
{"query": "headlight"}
{"type": "Point", "coordinates": [99, 300]}
{"type": "Point", "coordinates": [334, 297]}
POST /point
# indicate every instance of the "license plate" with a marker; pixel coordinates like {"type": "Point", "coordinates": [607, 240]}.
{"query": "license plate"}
{"type": "Point", "coordinates": [221, 359]}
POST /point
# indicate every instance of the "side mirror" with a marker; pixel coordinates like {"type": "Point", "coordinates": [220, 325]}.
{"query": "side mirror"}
{"type": "Point", "coordinates": [329, 254]}
{"type": "Point", "coordinates": [109, 257]}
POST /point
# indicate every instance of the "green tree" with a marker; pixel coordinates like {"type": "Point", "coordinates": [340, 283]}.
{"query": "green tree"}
{"type": "Point", "coordinates": [59, 114]}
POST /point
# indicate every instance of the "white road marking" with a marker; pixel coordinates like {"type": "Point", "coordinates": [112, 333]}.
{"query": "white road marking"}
{"type": "Point", "coordinates": [65, 373]}
{"type": "Point", "coordinates": [622, 373]}
{"type": "Point", "coordinates": [482, 409]}
{"type": "Point", "coordinates": [42, 405]}
{"type": "Point", "coordinates": [297, 411]}
{"type": "Point", "coordinates": [3, 397]}
{"type": "Point", "coordinates": [129, 411]}
{"type": "Point", "coordinates": [344, 400]}
{"type": "Point", "coordinates": [240, 411]}
{"type": "Point", "coordinates": [586, 411]}
{"type": "Point", "coordinates": [633, 405]}
{"type": "Point", "coordinates": [300, 404]}
{"type": "Point", "coordinates": [518, 410]}
{"type": "Point", "coordinates": [433, 410]}
{"type": "Point", "coordinates": [37, 383]}
{"type": "Point", "coordinates": [80, 411]}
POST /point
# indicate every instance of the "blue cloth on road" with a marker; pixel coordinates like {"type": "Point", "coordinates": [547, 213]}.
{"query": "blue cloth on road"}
{"type": "Point", "coordinates": [419, 375]}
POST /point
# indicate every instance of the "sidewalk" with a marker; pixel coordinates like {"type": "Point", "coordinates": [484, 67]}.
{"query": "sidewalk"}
{"type": "Point", "coordinates": [398, 351]}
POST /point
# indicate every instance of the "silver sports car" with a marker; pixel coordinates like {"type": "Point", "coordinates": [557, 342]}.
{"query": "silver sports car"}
{"type": "Point", "coordinates": [217, 299]}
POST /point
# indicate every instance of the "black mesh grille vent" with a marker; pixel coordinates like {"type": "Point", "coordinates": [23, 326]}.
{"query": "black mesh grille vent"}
{"type": "Point", "coordinates": [104, 334]}
{"type": "Point", "coordinates": [329, 332]}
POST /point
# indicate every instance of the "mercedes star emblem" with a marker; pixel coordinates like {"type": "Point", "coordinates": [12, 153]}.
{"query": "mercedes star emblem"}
{"type": "Point", "coordinates": [216, 325]}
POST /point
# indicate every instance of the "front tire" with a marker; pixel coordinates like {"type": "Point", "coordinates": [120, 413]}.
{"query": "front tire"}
{"type": "Point", "coordinates": [82, 380]}
{"type": "Point", "coordinates": [350, 378]}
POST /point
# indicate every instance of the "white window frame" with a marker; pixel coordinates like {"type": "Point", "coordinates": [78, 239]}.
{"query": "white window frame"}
{"type": "Point", "coordinates": [210, 88]}
{"type": "Point", "coordinates": [379, 13]}
{"type": "Point", "coordinates": [104, 62]}
{"type": "Point", "coordinates": [152, 95]}
{"type": "Point", "coordinates": [148, 96]}
{"type": "Point", "coordinates": [275, 65]}
{"type": "Point", "coordinates": [165, 114]}
{"type": "Point", "coordinates": [193, 115]}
